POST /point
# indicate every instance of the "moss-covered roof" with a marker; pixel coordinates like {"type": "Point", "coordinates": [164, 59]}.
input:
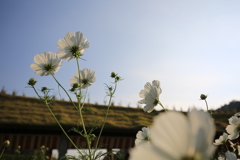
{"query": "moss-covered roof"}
{"type": "Point", "coordinates": [20, 114]}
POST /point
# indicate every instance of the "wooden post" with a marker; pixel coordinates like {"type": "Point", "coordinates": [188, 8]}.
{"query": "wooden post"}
{"type": "Point", "coordinates": [63, 147]}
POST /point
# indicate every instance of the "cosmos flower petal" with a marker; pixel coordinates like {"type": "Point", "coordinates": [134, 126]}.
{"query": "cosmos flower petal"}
{"type": "Point", "coordinates": [73, 80]}
{"type": "Point", "coordinates": [173, 137]}
{"type": "Point", "coordinates": [233, 133]}
{"type": "Point", "coordinates": [47, 59]}
{"type": "Point", "coordinates": [202, 131]}
{"type": "Point", "coordinates": [87, 78]}
{"type": "Point", "coordinates": [230, 155]}
{"type": "Point", "coordinates": [150, 95]}
{"type": "Point", "coordinates": [167, 129]}
{"type": "Point", "coordinates": [222, 139]}
{"type": "Point", "coordinates": [143, 136]}
{"type": "Point", "coordinates": [71, 40]}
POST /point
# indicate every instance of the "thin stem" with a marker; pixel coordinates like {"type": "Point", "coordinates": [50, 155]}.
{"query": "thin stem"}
{"type": "Point", "coordinates": [109, 103]}
{"type": "Point", "coordinates": [79, 75]}
{"type": "Point", "coordinates": [84, 98]}
{"type": "Point", "coordinates": [62, 128]}
{"type": "Point", "coordinates": [64, 90]}
{"type": "Point", "coordinates": [2, 152]}
{"type": "Point", "coordinates": [162, 106]}
{"type": "Point", "coordinates": [46, 103]}
{"type": "Point", "coordinates": [84, 129]}
{"type": "Point", "coordinates": [80, 111]}
{"type": "Point", "coordinates": [207, 106]}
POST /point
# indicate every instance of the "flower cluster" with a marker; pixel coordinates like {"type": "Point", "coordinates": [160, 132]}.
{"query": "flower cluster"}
{"type": "Point", "coordinates": [70, 47]}
{"type": "Point", "coordinates": [227, 139]}
{"type": "Point", "coordinates": [175, 136]}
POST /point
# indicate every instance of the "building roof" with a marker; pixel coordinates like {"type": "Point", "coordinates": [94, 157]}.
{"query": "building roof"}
{"type": "Point", "coordinates": [29, 115]}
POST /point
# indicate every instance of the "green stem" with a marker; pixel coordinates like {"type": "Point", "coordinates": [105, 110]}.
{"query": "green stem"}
{"type": "Point", "coordinates": [2, 152]}
{"type": "Point", "coordinates": [64, 90]}
{"type": "Point", "coordinates": [105, 118]}
{"type": "Point", "coordinates": [62, 128]}
{"type": "Point", "coordinates": [162, 106]}
{"type": "Point", "coordinates": [80, 112]}
{"type": "Point", "coordinates": [207, 106]}
{"type": "Point", "coordinates": [46, 103]}
{"type": "Point", "coordinates": [84, 129]}
{"type": "Point", "coordinates": [79, 76]}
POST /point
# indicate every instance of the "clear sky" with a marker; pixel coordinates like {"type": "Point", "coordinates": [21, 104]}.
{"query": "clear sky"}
{"type": "Point", "coordinates": [191, 47]}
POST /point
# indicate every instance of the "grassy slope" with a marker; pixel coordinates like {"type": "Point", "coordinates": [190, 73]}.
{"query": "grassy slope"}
{"type": "Point", "coordinates": [16, 110]}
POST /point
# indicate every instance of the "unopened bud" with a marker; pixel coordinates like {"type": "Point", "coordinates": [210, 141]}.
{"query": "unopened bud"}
{"type": "Point", "coordinates": [203, 96]}
{"type": "Point", "coordinates": [32, 82]}
{"type": "Point", "coordinates": [44, 89]}
{"type": "Point", "coordinates": [6, 143]}
{"type": "Point", "coordinates": [113, 74]}
{"type": "Point", "coordinates": [117, 78]}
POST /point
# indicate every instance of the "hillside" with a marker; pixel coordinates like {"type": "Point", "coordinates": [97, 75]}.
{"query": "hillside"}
{"type": "Point", "coordinates": [233, 106]}
{"type": "Point", "coordinates": [23, 114]}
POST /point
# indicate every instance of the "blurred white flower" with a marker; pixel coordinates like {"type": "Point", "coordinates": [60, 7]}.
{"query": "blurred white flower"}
{"type": "Point", "coordinates": [222, 139]}
{"type": "Point", "coordinates": [46, 64]}
{"type": "Point", "coordinates": [150, 95]}
{"type": "Point", "coordinates": [175, 136]}
{"type": "Point", "coordinates": [230, 156]}
{"type": "Point", "coordinates": [221, 157]}
{"type": "Point", "coordinates": [233, 128]}
{"type": "Point", "coordinates": [87, 78]}
{"type": "Point", "coordinates": [233, 120]}
{"type": "Point", "coordinates": [72, 46]}
{"type": "Point", "coordinates": [142, 136]}
{"type": "Point", "coordinates": [237, 114]}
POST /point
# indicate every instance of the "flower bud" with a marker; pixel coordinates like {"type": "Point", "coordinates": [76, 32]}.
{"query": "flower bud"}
{"type": "Point", "coordinates": [117, 78]}
{"type": "Point", "coordinates": [44, 89]}
{"type": "Point", "coordinates": [32, 82]}
{"type": "Point", "coordinates": [203, 96]}
{"type": "Point", "coordinates": [6, 143]}
{"type": "Point", "coordinates": [113, 74]}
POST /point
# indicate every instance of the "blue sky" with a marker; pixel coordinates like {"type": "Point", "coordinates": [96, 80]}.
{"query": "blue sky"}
{"type": "Point", "coordinates": [191, 47]}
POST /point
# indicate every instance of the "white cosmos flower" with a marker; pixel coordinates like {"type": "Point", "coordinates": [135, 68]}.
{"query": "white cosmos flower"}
{"type": "Point", "coordinates": [237, 114]}
{"type": "Point", "coordinates": [175, 136]}
{"type": "Point", "coordinates": [233, 128]}
{"type": "Point", "coordinates": [72, 46]}
{"type": "Point", "coordinates": [87, 78]}
{"type": "Point", "coordinates": [142, 136]}
{"type": "Point", "coordinates": [46, 64]}
{"type": "Point", "coordinates": [233, 120]}
{"type": "Point", "coordinates": [222, 139]}
{"type": "Point", "coordinates": [150, 95]}
{"type": "Point", "coordinates": [230, 156]}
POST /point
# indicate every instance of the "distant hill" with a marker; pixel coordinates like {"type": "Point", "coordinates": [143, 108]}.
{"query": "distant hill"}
{"type": "Point", "coordinates": [233, 106]}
